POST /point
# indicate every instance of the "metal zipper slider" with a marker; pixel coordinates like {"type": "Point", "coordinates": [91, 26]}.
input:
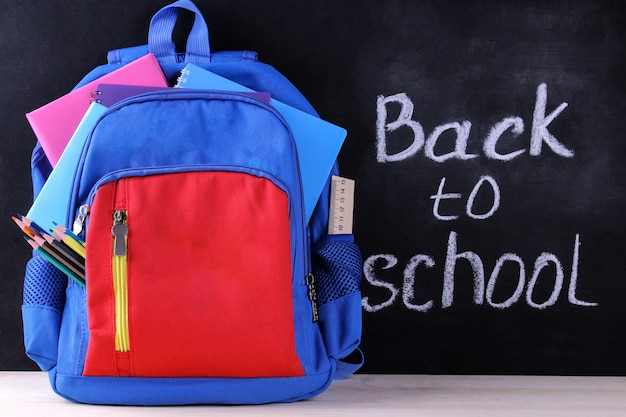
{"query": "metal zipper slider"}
{"type": "Point", "coordinates": [310, 282]}
{"type": "Point", "coordinates": [119, 231]}
{"type": "Point", "coordinates": [79, 222]}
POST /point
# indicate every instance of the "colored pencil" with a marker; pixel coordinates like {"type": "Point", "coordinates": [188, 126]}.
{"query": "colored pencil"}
{"type": "Point", "coordinates": [66, 252]}
{"type": "Point", "coordinates": [69, 241]}
{"type": "Point", "coordinates": [69, 233]}
{"type": "Point", "coordinates": [78, 270]}
{"type": "Point", "coordinates": [32, 225]}
{"type": "Point", "coordinates": [27, 230]}
{"type": "Point", "coordinates": [55, 262]}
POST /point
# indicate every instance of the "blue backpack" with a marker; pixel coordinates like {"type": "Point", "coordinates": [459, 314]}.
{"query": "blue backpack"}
{"type": "Point", "coordinates": [205, 284]}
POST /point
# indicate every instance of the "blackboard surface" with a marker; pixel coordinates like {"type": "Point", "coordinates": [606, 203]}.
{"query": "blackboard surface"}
{"type": "Point", "coordinates": [487, 140]}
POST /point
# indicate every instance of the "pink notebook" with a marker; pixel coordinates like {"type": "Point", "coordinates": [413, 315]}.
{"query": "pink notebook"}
{"type": "Point", "coordinates": [55, 123]}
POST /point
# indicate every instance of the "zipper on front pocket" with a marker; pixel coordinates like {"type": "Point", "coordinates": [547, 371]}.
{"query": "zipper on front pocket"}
{"type": "Point", "coordinates": [120, 279]}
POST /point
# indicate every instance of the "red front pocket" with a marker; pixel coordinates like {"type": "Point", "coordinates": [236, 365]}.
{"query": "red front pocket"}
{"type": "Point", "coordinates": [198, 282]}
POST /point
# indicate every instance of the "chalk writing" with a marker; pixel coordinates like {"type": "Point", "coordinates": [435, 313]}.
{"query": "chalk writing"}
{"type": "Point", "coordinates": [408, 288]}
{"type": "Point", "coordinates": [481, 292]}
{"type": "Point", "coordinates": [404, 120]}
{"type": "Point", "coordinates": [484, 289]}
{"type": "Point", "coordinates": [369, 270]}
{"type": "Point", "coordinates": [470, 201]}
{"type": "Point", "coordinates": [540, 133]}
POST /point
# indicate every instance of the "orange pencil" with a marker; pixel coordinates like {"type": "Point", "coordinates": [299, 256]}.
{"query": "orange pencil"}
{"type": "Point", "coordinates": [27, 230]}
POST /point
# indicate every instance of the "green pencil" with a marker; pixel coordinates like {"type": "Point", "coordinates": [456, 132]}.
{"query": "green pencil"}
{"type": "Point", "coordinates": [55, 262]}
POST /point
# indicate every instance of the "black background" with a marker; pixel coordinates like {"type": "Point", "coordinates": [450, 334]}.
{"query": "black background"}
{"type": "Point", "coordinates": [477, 61]}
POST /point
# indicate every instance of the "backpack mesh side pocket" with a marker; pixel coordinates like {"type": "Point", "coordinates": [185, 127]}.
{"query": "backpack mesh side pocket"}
{"type": "Point", "coordinates": [44, 298]}
{"type": "Point", "coordinates": [44, 285]}
{"type": "Point", "coordinates": [337, 268]}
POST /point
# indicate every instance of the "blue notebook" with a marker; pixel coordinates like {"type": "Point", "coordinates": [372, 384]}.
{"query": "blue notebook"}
{"type": "Point", "coordinates": [318, 142]}
{"type": "Point", "coordinates": [51, 204]}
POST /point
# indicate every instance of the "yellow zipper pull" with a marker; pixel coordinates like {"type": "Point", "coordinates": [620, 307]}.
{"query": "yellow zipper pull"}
{"type": "Point", "coordinates": [119, 230]}
{"type": "Point", "coordinates": [120, 284]}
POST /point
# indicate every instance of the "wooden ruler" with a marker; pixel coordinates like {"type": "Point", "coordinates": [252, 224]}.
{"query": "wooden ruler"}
{"type": "Point", "coordinates": [341, 206]}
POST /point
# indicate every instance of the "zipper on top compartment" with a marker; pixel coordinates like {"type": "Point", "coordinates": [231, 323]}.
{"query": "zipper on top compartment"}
{"type": "Point", "coordinates": [119, 230]}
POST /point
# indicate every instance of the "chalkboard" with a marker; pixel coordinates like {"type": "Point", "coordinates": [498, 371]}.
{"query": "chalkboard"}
{"type": "Point", "coordinates": [486, 140]}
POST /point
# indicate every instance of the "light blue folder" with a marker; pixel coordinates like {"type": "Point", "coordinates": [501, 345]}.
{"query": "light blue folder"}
{"type": "Point", "coordinates": [51, 204]}
{"type": "Point", "coordinates": [318, 142]}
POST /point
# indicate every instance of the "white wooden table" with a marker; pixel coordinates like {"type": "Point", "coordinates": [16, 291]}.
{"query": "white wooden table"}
{"type": "Point", "coordinates": [28, 394]}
